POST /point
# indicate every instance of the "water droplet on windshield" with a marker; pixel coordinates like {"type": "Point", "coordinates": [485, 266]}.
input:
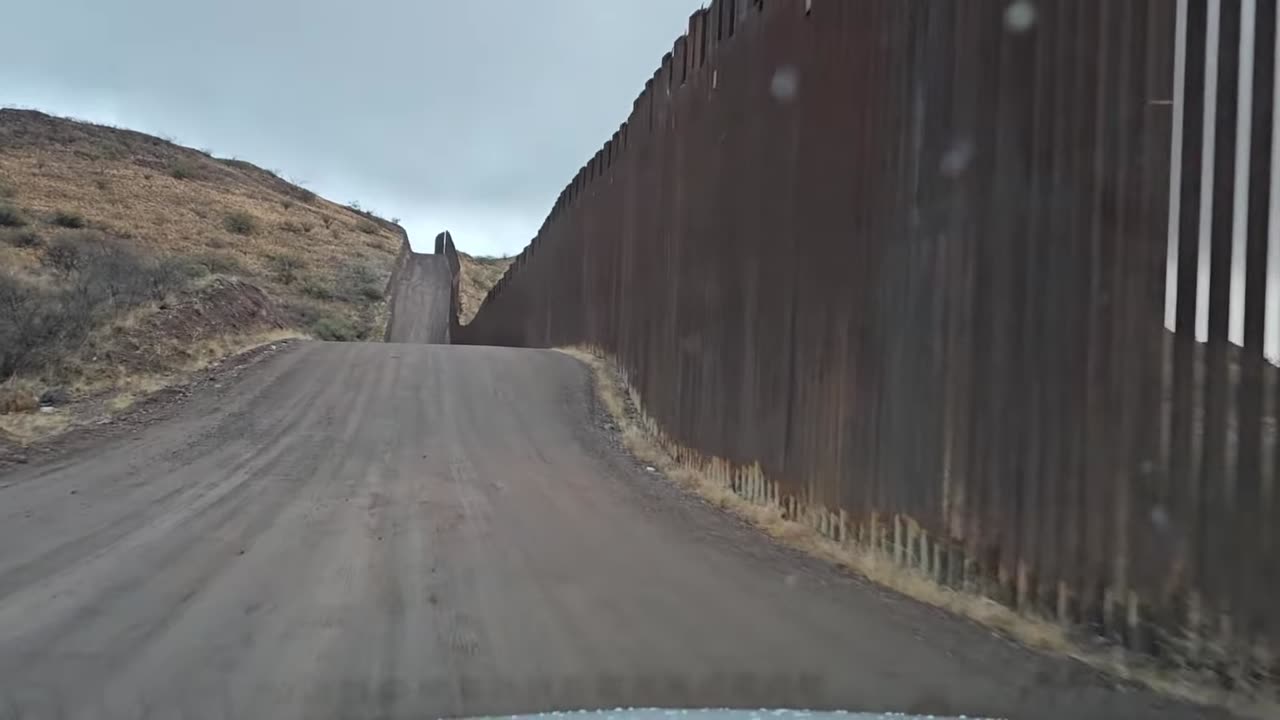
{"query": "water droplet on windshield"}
{"type": "Point", "coordinates": [957, 158]}
{"type": "Point", "coordinates": [1159, 517]}
{"type": "Point", "coordinates": [785, 83]}
{"type": "Point", "coordinates": [1020, 16]}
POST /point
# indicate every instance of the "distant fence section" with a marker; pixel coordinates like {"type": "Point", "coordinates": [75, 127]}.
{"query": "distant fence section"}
{"type": "Point", "coordinates": [987, 280]}
{"type": "Point", "coordinates": [444, 246]}
{"type": "Point", "coordinates": [422, 294]}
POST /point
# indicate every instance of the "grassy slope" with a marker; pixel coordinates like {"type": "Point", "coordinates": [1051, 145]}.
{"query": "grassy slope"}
{"type": "Point", "coordinates": [235, 221]}
{"type": "Point", "coordinates": [478, 275]}
{"type": "Point", "coordinates": [127, 185]}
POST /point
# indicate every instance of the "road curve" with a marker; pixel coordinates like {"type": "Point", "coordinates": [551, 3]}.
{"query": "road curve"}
{"type": "Point", "coordinates": [410, 531]}
{"type": "Point", "coordinates": [420, 301]}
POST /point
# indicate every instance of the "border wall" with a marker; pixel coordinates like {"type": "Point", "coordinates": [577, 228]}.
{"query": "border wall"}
{"type": "Point", "coordinates": [444, 246]}
{"type": "Point", "coordinates": [969, 282]}
{"type": "Point", "coordinates": [442, 327]}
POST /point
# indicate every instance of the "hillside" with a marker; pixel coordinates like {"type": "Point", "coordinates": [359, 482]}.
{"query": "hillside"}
{"type": "Point", "coordinates": [127, 260]}
{"type": "Point", "coordinates": [478, 274]}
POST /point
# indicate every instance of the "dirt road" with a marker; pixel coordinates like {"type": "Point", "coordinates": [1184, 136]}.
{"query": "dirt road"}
{"type": "Point", "coordinates": [420, 301]}
{"type": "Point", "coordinates": [352, 531]}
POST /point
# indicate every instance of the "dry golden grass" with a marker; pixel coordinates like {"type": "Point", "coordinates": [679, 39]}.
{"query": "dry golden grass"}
{"type": "Point", "coordinates": [121, 391]}
{"type": "Point", "coordinates": [18, 397]}
{"type": "Point", "coordinates": [176, 362]}
{"type": "Point", "coordinates": [123, 183]}
{"type": "Point", "coordinates": [478, 274]}
{"type": "Point", "coordinates": [169, 200]}
{"type": "Point", "coordinates": [25, 428]}
{"type": "Point", "coordinates": [167, 358]}
{"type": "Point", "coordinates": [650, 447]}
{"type": "Point", "coordinates": [315, 260]}
{"type": "Point", "coordinates": [20, 415]}
{"type": "Point", "coordinates": [121, 402]}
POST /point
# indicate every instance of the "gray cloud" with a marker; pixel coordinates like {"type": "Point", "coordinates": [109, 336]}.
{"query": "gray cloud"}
{"type": "Point", "coordinates": [468, 115]}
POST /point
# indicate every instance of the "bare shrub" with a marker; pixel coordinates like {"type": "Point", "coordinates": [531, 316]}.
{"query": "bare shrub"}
{"type": "Point", "coordinates": [65, 253]}
{"type": "Point", "coordinates": [285, 268]}
{"type": "Point", "coordinates": [240, 223]}
{"type": "Point", "coordinates": [335, 329]}
{"type": "Point", "coordinates": [361, 283]}
{"type": "Point", "coordinates": [103, 278]}
{"type": "Point", "coordinates": [184, 169]}
{"type": "Point", "coordinates": [298, 192]}
{"type": "Point", "coordinates": [21, 237]}
{"type": "Point", "coordinates": [220, 264]}
{"type": "Point", "coordinates": [15, 398]}
{"type": "Point", "coordinates": [317, 287]}
{"type": "Point", "coordinates": [190, 268]}
{"type": "Point", "coordinates": [11, 217]}
{"type": "Point", "coordinates": [113, 278]}
{"type": "Point", "coordinates": [238, 164]}
{"type": "Point", "coordinates": [66, 219]}
{"type": "Point", "coordinates": [34, 325]}
{"type": "Point", "coordinates": [167, 275]}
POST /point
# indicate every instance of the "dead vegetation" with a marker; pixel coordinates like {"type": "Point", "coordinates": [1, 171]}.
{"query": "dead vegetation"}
{"type": "Point", "coordinates": [45, 318]}
{"type": "Point", "coordinates": [126, 260]}
{"type": "Point", "coordinates": [478, 274]}
{"type": "Point", "coordinates": [10, 217]}
{"type": "Point", "coordinates": [748, 494]}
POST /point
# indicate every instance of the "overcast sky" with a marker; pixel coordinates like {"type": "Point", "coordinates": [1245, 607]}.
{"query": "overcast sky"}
{"type": "Point", "coordinates": [451, 114]}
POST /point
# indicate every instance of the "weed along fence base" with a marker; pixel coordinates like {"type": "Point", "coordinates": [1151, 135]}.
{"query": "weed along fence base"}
{"type": "Point", "coordinates": [903, 267]}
